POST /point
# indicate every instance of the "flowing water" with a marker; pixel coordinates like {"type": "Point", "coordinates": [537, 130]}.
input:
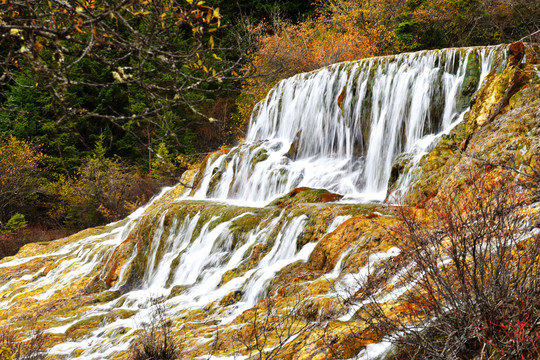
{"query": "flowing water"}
{"type": "Point", "coordinates": [339, 128]}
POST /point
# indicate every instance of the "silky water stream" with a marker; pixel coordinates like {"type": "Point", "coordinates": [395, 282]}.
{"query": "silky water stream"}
{"type": "Point", "coordinates": [339, 128]}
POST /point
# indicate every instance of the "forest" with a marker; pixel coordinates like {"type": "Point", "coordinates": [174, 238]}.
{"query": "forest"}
{"type": "Point", "coordinates": [103, 102]}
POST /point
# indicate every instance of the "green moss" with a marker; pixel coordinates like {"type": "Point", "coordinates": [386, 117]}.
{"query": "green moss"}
{"type": "Point", "coordinates": [231, 274]}
{"type": "Point", "coordinates": [107, 296]}
{"type": "Point", "coordinates": [231, 298]}
{"type": "Point", "coordinates": [305, 195]}
{"type": "Point", "coordinates": [470, 83]}
{"type": "Point", "coordinates": [255, 254]}
{"type": "Point", "coordinates": [209, 158]}
{"type": "Point", "coordinates": [176, 290]}
{"type": "Point", "coordinates": [81, 328]}
{"type": "Point", "coordinates": [248, 222]}
{"type": "Point", "coordinates": [399, 167]}
{"type": "Point", "coordinates": [259, 156]}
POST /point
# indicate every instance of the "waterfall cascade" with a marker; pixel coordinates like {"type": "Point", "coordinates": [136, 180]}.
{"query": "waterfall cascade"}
{"type": "Point", "coordinates": [338, 128]}
{"type": "Point", "coordinates": [341, 127]}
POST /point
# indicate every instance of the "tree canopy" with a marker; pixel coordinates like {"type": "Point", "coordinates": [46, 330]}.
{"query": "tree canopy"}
{"type": "Point", "coordinates": [131, 67]}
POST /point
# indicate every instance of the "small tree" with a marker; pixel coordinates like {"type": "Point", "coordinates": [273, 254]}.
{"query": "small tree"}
{"type": "Point", "coordinates": [163, 166]}
{"type": "Point", "coordinates": [15, 223]}
{"type": "Point", "coordinates": [277, 328]}
{"type": "Point", "coordinates": [19, 175]}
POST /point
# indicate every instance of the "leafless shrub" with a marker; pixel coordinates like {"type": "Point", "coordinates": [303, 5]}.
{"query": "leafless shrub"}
{"type": "Point", "coordinates": [12, 347]}
{"type": "Point", "coordinates": [474, 262]}
{"type": "Point", "coordinates": [273, 332]}
{"type": "Point", "coordinates": [156, 341]}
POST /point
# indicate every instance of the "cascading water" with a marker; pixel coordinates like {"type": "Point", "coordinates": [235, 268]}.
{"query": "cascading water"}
{"type": "Point", "coordinates": [341, 128]}
{"type": "Point", "coordinates": [338, 128]}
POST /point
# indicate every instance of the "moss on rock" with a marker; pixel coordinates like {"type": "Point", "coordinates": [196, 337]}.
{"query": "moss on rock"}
{"type": "Point", "coordinates": [305, 195]}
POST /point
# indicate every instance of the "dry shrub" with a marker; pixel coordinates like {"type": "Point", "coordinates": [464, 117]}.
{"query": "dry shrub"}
{"type": "Point", "coordinates": [31, 348]}
{"type": "Point", "coordinates": [156, 340]}
{"type": "Point", "coordinates": [278, 329]}
{"type": "Point", "coordinates": [476, 269]}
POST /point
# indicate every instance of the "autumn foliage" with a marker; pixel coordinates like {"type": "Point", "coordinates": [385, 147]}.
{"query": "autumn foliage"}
{"type": "Point", "coordinates": [340, 32]}
{"type": "Point", "coordinates": [354, 29]}
{"type": "Point", "coordinates": [104, 190]}
{"type": "Point", "coordinates": [19, 175]}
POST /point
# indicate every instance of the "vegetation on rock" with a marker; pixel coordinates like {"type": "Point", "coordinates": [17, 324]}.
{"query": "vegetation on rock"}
{"type": "Point", "coordinates": [12, 347]}
{"type": "Point", "coordinates": [102, 102]}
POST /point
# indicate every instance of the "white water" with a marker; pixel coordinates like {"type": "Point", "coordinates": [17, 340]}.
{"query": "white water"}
{"type": "Point", "coordinates": [389, 106]}
{"type": "Point", "coordinates": [204, 257]}
{"type": "Point", "coordinates": [386, 109]}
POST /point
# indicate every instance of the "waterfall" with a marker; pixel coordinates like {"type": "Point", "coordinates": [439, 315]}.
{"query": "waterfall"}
{"type": "Point", "coordinates": [339, 128]}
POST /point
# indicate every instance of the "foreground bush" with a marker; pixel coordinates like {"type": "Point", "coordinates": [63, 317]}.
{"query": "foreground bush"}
{"type": "Point", "coordinates": [475, 264]}
{"type": "Point", "coordinates": [156, 340]}
{"type": "Point", "coordinates": [31, 348]}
